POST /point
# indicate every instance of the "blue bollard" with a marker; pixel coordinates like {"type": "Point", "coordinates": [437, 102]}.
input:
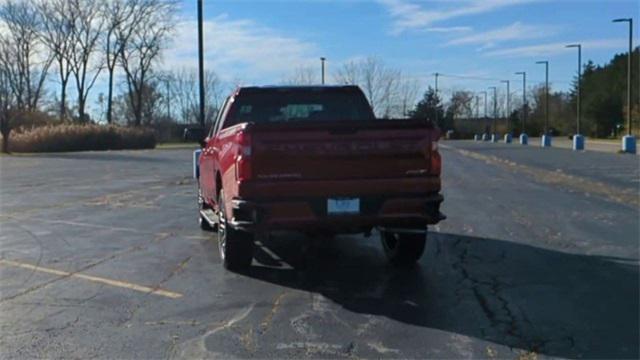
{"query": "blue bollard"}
{"type": "Point", "coordinates": [629, 144]}
{"type": "Point", "coordinates": [485, 137]}
{"type": "Point", "coordinates": [196, 163]}
{"type": "Point", "coordinates": [578, 142]}
{"type": "Point", "coordinates": [524, 139]}
{"type": "Point", "coordinates": [507, 138]}
{"type": "Point", "coordinates": [494, 138]}
{"type": "Point", "coordinates": [476, 137]}
{"type": "Point", "coordinates": [545, 141]}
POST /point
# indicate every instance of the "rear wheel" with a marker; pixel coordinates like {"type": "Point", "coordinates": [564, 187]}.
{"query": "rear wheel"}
{"type": "Point", "coordinates": [235, 246]}
{"type": "Point", "coordinates": [403, 248]}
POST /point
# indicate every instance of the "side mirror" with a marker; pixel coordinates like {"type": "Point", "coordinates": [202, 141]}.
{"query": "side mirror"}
{"type": "Point", "coordinates": [196, 134]}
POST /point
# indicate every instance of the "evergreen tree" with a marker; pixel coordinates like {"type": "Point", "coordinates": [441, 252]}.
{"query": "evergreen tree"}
{"type": "Point", "coordinates": [430, 108]}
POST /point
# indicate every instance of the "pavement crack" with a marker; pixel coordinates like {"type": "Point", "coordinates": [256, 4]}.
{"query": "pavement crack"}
{"type": "Point", "coordinates": [264, 326]}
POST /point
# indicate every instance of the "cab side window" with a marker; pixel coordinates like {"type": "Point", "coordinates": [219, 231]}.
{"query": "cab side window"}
{"type": "Point", "coordinates": [214, 126]}
{"type": "Point", "coordinates": [222, 115]}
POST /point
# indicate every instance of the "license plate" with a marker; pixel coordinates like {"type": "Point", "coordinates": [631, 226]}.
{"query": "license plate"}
{"type": "Point", "coordinates": [343, 206]}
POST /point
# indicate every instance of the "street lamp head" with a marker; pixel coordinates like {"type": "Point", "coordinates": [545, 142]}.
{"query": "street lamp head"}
{"type": "Point", "coordinates": [542, 62]}
{"type": "Point", "coordinates": [520, 73]}
{"type": "Point", "coordinates": [323, 58]}
{"type": "Point", "coordinates": [622, 20]}
{"type": "Point", "coordinates": [573, 46]}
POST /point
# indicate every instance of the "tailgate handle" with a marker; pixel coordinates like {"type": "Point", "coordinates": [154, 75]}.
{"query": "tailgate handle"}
{"type": "Point", "coordinates": [343, 131]}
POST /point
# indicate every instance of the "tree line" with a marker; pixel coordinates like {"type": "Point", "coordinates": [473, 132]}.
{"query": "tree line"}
{"type": "Point", "coordinates": [74, 42]}
{"type": "Point", "coordinates": [603, 103]}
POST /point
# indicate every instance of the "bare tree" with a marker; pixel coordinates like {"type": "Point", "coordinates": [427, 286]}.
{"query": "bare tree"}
{"type": "Point", "coordinates": [460, 104]}
{"type": "Point", "coordinates": [22, 58]}
{"type": "Point", "coordinates": [6, 108]}
{"type": "Point", "coordinates": [378, 82]}
{"type": "Point", "coordinates": [143, 48]}
{"type": "Point", "coordinates": [408, 93]}
{"type": "Point", "coordinates": [57, 35]}
{"type": "Point", "coordinates": [184, 93]}
{"type": "Point", "coordinates": [121, 17]}
{"type": "Point", "coordinates": [302, 75]}
{"type": "Point", "coordinates": [87, 27]}
{"type": "Point", "coordinates": [23, 65]}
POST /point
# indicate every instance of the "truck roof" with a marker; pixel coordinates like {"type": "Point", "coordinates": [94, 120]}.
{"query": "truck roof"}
{"type": "Point", "coordinates": [285, 88]}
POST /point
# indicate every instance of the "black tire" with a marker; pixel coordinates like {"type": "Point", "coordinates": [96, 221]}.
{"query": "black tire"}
{"type": "Point", "coordinates": [202, 222]}
{"type": "Point", "coordinates": [403, 249]}
{"type": "Point", "coordinates": [235, 246]}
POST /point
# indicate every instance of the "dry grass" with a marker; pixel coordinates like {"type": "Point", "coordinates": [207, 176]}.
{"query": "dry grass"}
{"type": "Point", "coordinates": [73, 137]}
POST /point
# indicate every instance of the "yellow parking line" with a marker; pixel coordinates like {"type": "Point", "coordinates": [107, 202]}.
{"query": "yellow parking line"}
{"type": "Point", "coordinates": [116, 283]}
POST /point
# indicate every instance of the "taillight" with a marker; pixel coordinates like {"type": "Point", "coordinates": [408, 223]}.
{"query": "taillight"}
{"type": "Point", "coordinates": [436, 160]}
{"type": "Point", "coordinates": [243, 156]}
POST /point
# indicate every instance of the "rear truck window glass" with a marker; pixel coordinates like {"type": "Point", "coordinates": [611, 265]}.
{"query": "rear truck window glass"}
{"type": "Point", "coordinates": [295, 106]}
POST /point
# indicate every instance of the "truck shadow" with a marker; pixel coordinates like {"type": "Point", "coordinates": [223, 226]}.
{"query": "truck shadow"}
{"type": "Point", "coordinates": [517, 295]}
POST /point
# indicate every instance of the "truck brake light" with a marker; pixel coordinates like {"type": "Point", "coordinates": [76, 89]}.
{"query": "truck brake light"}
{"type": "Point", "coordinates": [243, 157]}
{"type": "Point", "coordinates": [436, 160]}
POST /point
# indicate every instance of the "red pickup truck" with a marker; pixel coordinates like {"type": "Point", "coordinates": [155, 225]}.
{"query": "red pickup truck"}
{"type": "Point", "coordinates": [315, 159]}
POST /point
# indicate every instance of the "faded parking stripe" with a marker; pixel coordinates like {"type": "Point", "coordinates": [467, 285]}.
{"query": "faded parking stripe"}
{"type": "Point", "coordinates": [96, 279]}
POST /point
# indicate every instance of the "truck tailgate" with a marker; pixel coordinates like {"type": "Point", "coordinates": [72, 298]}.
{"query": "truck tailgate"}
{"type": "Point", "coordinates": [380, 149]}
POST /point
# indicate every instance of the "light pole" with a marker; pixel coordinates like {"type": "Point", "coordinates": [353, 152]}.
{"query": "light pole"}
{"type": "Point", "coordinates": [546, 138]}
{"type": "Point", "coordinates": [578, 140]}
{"type": "Point", "coordinates": [477, 98]}
{"type": "Point", "coordinates": [629, 141]}
{"type": "Point", "coordinates": [494, 135]}
{"type": "Point", "coordinates": [437, 100]}
{"type": "Point", "coordinates": [524, 139]}
{"type": "Point", "coordinates": [322, 60]}
{"type": "Point", "coordinates": [201, 62]}
{"type": "Point", "coordinates": [507, 136]}
{"type": "Point", "coordinates": [485, 134]}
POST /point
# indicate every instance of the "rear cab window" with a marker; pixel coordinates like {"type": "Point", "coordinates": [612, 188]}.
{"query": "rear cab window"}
{"type": "Point", "coordinates": [281, 105]}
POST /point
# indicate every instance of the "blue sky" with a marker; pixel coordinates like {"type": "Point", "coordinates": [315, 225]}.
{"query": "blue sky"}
{"type": "Point", "coordinates": [261, 42]}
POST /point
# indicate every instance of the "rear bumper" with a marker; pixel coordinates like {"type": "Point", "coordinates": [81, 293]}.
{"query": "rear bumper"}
{"type": "Point", "coordinates": [310, 214]}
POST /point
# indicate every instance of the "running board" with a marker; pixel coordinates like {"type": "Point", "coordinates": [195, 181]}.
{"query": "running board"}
{"type": "Point", "coordinates": [210, 216]}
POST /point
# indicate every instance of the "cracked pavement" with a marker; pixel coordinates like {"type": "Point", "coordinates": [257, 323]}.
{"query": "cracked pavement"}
{"type": "Point", "coordinates": [527, 265]}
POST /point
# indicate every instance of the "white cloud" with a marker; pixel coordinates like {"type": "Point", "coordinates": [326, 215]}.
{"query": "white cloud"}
{"type": "Point", "coordinates": [556, 48]}
{"type": "Point", "coordinates": [515, 31]}
{"type": "Point", "coordinates": [448, 29]}
{"type": "Point", "coordinates": [239, 49]}
{"type": "Point", "coordinates": [411, 16]}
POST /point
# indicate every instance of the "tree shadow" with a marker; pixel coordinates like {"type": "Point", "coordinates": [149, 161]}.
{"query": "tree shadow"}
{"type": "Point", "coordinates": [536, 299]}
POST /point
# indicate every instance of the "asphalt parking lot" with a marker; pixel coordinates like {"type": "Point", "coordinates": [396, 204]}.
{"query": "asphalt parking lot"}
{"type": "Point", "coordinates": [101, 256]}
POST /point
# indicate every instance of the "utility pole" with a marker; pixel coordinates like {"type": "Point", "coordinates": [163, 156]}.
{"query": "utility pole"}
{"type": "Point", "coordinates": [629, 141]}
{"type": "Point", "coordinates": [322, 60]}
{"type": "Point", "coordinates": [201, 62]}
